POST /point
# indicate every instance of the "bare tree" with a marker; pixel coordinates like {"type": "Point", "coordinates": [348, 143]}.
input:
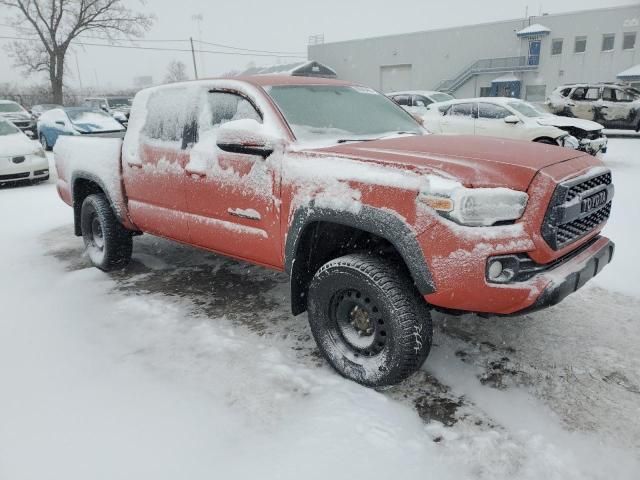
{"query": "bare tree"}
{"type": "Point", "coordinates": [176, 72]}
{"type": "Point", "coordinates": [54, 24]}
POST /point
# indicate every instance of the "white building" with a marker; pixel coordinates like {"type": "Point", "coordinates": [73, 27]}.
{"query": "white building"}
{"type": "Point", "coordinates": [528, 58]}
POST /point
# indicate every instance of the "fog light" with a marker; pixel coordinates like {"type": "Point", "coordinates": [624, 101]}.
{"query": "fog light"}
{"type": "Point", "coordinates": [495, 270]}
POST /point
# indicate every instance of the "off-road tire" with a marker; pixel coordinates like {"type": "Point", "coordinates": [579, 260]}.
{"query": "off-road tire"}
{"type": "Point", "coordinates": [399, 317]}
{"type": "Point", "coordinates": [107, 242]}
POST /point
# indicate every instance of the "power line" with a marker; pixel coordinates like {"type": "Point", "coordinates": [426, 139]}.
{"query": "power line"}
{"type": "Point", "coordinates": [182, 40]}
{"type": "Point", "coordinates": [164, 49]}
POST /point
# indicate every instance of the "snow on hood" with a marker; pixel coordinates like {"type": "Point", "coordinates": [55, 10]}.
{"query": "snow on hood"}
{"type": "Point", "coordinates": [558, 121]}
{"type": "Point", "coordinates": [17, 144]}
{"type": "Point", "coordinates": [474, 161]}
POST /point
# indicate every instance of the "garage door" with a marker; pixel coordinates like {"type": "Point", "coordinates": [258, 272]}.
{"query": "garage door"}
{"type": "Point", "coordinates": [395, 77]}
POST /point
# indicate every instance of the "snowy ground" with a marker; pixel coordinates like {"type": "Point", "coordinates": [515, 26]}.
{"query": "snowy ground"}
{"type": "Point", "coordinates": [188, 365]}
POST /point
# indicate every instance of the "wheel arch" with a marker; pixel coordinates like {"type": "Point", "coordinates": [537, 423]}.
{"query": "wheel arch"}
{"type": "Point", "coordinates": [84, 184]}
{"type": "Point", "coordinates": [372, 228]}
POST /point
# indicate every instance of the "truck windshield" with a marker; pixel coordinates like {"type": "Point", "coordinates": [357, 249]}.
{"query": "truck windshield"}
{"type": "Point", "coordinates": [341, 113]}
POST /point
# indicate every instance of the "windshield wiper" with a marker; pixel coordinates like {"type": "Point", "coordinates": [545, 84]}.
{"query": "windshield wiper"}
{"type": "Point", "coordinates": [347, 140]}
{"type": "Point", "coordinates": [391, 134]}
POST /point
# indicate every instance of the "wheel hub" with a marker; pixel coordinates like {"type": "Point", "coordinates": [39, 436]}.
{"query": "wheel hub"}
{"type": "Point", "coordinates": [359, 322]}
{"type": "Point", "coordinates": [96, 233]}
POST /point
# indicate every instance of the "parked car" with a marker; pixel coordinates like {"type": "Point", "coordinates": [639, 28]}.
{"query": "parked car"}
{"type": "Point", "coordinates": [75, 121]}
{"type": "Point", "coordinates": [38, 110]}
{"type": "Point", "coordinates": [375, 221]}
{"type": "Point", "coordinates": [16, 113]}
{"type": "Point", "coordinates": [612, 105]}
{"type": "Point", "coordinates": [21, 159]}
{"type": "Point", "coordinates": [117, 107]}
{"type": "Point", "coordinates": [516, 119]}
{"type": "Point", "coordinates": [417, 101]}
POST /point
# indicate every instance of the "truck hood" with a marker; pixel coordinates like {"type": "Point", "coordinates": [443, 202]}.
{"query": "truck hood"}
{"type": "Point", "coordinates": [558, 121]}
{"type": "Point", "coordinates": [473, 161]}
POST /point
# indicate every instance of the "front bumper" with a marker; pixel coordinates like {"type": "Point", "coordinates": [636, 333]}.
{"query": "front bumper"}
{"type": "Point", "coordinates": [30, 167]}
{"type": "Point", "coordinates": [568, 277]}
{"type": "Point", "coordinates": [595, 146]}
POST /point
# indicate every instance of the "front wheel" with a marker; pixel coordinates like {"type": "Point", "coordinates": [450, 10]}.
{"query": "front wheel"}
{"type": "Point", "coordinates": [368, 320]}
{"type": "Point", "coordinates": [108, 243]}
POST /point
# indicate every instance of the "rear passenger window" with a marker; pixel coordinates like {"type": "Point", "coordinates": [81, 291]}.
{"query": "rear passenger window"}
{"type": "Point", "coordinates": [226, 107]}
{"type": "Point", "coordinates": [169, 113]}
{"type": "Point", "coordinates": [565, 92]}
{"type": "Point", "coordinates": [402, 100]}
{"type": "Point", "coordinates": [491, 111]}
{"type": "Point", "coordinates": [461, 110]}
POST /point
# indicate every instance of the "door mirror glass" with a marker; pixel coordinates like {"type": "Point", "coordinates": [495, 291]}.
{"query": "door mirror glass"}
{"type": "Point", "coordinates": [245, 136]}
{"type": "Point", "coordinates": [511, 119]}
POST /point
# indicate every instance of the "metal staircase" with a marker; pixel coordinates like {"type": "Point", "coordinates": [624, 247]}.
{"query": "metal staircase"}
{"type": "Point", "coordinates": [485, 65]}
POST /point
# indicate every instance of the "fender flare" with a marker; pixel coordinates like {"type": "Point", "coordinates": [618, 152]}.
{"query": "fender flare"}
{"type": "Point", "coordinates": [380, 222]}
{"type": "Point", "coordinates": [83, 175]}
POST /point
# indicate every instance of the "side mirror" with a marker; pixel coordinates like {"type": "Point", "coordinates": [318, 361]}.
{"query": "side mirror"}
{"type": "Point", "coordinates": [245, 136]}
{"type": "Point", "coordinates": [512, 119]}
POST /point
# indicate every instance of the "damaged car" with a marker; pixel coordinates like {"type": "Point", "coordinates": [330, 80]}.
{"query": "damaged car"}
{"type": "Point", "coordinates": [612, 105]}
{"type": "Point", "coordinates": [515, 119]}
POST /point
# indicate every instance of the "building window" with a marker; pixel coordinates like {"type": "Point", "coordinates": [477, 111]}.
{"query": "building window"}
{"type": "Point", "coordinates": [485, 91]}
{"type": "Point", "coordinates": [629, 41]}
{"type": "Point", "coordinates": [535, 93]}
{"type": "Point", "coordinates": [580, 45]}
{"type": "Point", "coordinates": [608, 41]}
{"type": "Point", "coordinates": [556, 46]}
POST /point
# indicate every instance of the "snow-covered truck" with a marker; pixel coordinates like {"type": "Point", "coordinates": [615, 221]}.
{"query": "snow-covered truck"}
{"type": "Point", "coordinates": [376, 222]}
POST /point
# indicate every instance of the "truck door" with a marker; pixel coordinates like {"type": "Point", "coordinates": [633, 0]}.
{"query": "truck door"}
{"type": "Point", "coordinates": [153, 172]}
{"type": "Point", "coordinates": [231, 196]}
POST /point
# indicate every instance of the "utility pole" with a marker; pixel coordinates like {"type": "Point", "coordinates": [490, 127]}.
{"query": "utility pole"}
{"type": "Point", "coordinates": [78, 69]}
{"type": "Point", "coordinates": [193, 56]}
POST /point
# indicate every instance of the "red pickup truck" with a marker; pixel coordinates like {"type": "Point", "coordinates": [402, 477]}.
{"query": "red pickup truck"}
{"type": "Point", "coordinates": [375, 221]}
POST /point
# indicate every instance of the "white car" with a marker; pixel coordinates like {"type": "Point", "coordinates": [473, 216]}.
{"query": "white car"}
{"type": "Point", "coordinates": [21, 159]}
{"type": "Point", "coordinates": [417, 101]}
{"type": "Point", "coordinates": [515, 119]}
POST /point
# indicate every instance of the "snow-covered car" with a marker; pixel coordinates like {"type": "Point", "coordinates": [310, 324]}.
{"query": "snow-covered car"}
{"type": "Point", "coordinates": [612, 105]}
{"type": "Point", "coordinates": [38, 110]}
{"type": "Point", "coordinates": [417, 101]}
{"type": "Point", "coordinates": [76, 121]}
{"type": "Point", "coordinates": [117, 107]}
{"type": "Point", "coordinates": [18, 115]}
{"type": "Point", "coordinates": [21, 159]}
{"type": "Point", "coordinates": [515, 119]}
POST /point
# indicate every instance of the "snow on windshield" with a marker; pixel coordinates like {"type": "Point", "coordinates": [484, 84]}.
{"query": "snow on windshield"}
{"type": "Point", "coordinates": [97, 120]}
{"type": "Point", "coordinates": [317, 112]}
{"type": "Point", "coordinates": [7, 128]}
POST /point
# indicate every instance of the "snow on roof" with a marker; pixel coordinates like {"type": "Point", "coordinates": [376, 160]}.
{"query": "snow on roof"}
{"type": "Point", "coordinates": [510, 77]}
{"type": "Point", "coordinates": [298, 68]}
{"type": "Point", "coordinates": [630, 72]}
{"type": "Point", "coordinates": [535, 29]}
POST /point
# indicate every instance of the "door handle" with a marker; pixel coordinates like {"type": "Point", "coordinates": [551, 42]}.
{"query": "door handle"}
{"type": "Point", "coordinates": [134, 165]}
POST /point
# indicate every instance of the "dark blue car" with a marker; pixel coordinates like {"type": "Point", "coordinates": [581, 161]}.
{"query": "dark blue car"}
{"type": "Point", "coordinates": [76, 121]}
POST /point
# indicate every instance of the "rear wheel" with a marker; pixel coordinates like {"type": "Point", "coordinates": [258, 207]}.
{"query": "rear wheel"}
{"type": "Point", "coordinates": [368, 320]}
{"type": "Point", "coordinates": [108, 243]}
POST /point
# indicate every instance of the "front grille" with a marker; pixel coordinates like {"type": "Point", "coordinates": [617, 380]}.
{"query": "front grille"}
{"type": "Point", "coordinates": [565, 221]}
{"type": "Point", "coordinates": [15, 176]}
{"type": "Point", "coordinates": [40, 172]}
{"type": "Point", "coordinates": [604, 179]}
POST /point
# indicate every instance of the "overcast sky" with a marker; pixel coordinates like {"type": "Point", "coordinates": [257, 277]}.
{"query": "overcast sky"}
{"type": "Point", "coordinates": [277, 25]}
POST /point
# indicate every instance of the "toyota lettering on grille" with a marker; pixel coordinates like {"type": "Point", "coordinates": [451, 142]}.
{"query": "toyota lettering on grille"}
{"type": "Point", "coordinates": [595, 201]}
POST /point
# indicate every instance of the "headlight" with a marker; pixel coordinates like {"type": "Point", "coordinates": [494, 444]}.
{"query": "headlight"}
{"type": "Point", "coordinates": [474, 206]}
{"type": "Point", "coordinates": [569, 141]}
{"type": "Point", "coordinates": [40, 153]}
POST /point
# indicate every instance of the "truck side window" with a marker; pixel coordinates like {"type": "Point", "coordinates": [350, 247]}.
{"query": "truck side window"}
{"type": "Point", "coordinates": [227, 106]}
{"type": "Point", "coordinates": [170, 115]}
